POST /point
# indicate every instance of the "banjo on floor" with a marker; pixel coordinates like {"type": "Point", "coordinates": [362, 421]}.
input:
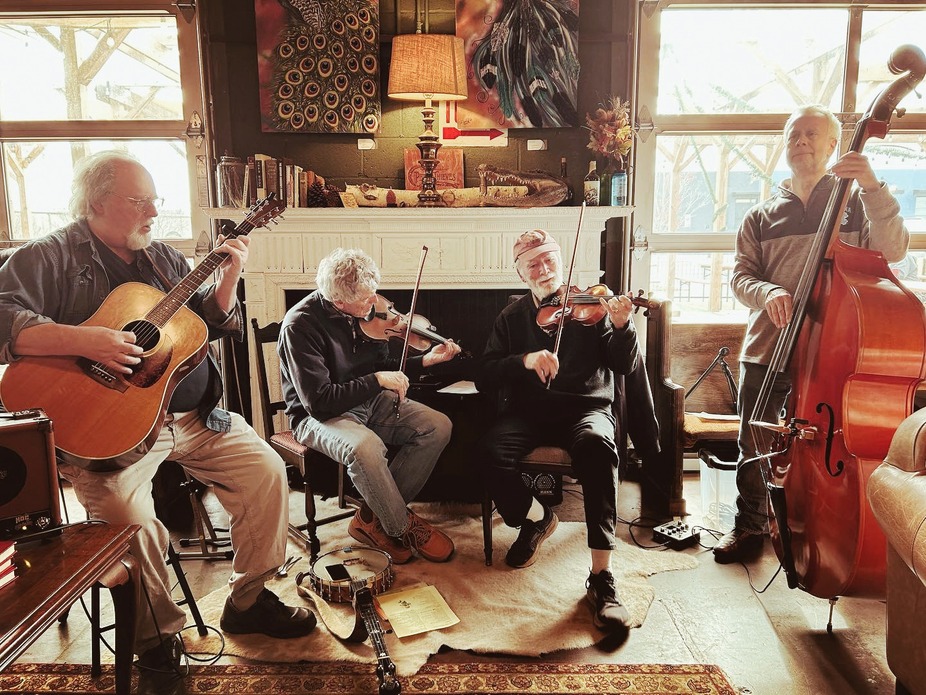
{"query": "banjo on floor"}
{"type": "Point", "coordinates": [354, 574]}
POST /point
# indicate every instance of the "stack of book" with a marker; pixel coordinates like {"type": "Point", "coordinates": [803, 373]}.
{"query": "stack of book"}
{"type": "Point", "coordinates": [7, 566]}
{"type": "Point", "coordinates": [295, 186]}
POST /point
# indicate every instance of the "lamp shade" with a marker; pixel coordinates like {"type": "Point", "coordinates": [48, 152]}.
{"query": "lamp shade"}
{"type": "Point", "coordinates": [427, 66]}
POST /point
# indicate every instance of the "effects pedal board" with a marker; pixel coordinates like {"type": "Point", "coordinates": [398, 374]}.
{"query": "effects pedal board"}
{"type": "Point", "coordinates": [676, 534]}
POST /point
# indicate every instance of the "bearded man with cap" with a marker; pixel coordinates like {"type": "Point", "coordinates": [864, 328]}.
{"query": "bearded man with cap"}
{"type": "Point", "coordinates": [574, 413]}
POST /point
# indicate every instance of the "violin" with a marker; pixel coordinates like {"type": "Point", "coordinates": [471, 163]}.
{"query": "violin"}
{"type": "Point", "coordinates": [385, 322]}
{"type": "Point", "coordinates": [582, 306]}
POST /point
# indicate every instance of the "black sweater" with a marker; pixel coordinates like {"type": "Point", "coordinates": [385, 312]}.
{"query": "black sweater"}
{"type": "Point", "coordinates": [588, 356]}
{"type": "Point", "coordinates": [327, 365]}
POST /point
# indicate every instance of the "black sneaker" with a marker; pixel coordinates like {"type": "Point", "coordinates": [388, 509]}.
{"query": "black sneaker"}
{"type": "Point", "coordinates": [523, 552]}
{"type": "Point", "coordinates": [609, 613]}
{"type": "Point", "coordinates": [268, 616]}
{"type": "Point", "coordinates": [160, 671]}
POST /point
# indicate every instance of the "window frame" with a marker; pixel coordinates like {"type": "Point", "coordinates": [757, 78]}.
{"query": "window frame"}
{"type": "Point", "coordinates": [650, 124]}
{"type": "Point", "coordinates": [192, 84]}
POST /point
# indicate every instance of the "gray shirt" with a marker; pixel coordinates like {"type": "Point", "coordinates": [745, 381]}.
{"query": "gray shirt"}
{"type": "Point", "coordinates": [775, 239]}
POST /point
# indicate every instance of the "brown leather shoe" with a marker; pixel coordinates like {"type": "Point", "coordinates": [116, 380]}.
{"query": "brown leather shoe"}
{"type": "Point", "coordinates": [427, 541]}
{"type": "Point", "coordinates": [372, 533]}
{"type": "Point", "coordinates": [738, 545]}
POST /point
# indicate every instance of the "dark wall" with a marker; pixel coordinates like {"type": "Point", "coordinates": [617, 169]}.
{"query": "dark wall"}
{"type": "Point", "coordinates": [604, 54]}
{"type": "Point", "coordinates": [605, 51]}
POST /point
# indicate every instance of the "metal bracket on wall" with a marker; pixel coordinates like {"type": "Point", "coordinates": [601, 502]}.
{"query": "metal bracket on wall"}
{"type": "Point", "coordinates": [639, 244]}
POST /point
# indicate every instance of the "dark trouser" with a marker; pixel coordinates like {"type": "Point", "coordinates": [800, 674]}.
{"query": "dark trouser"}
{"type": "Point", "coordinates": [752, 497]}
{"type": "Point", "coordinates": [588, 436]}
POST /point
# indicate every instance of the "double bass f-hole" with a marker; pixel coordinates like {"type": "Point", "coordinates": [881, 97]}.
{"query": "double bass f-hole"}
{"type": "Point", "coordinates": [830, 431]}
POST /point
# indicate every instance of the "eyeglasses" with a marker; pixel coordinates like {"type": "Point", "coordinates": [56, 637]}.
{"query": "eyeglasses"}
{"type": "Point", "coordinates": [141, 203]}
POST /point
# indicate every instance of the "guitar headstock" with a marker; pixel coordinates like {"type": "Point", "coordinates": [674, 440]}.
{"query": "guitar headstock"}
{"type": "Point", "coordinates": [263, 212]}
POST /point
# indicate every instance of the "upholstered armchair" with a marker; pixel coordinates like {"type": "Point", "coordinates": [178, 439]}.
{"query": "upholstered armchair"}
{"type": "Point", "coordinates": [897, 492]}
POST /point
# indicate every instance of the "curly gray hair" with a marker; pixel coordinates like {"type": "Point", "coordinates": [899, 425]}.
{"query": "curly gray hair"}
{"type": "Point", "coordinates": [346, 275]}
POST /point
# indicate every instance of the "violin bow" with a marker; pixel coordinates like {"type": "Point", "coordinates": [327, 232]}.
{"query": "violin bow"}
{"type": "Point", "coordinates": [411, 317]}
{"type": "Point", "coordinates": [565, 304]}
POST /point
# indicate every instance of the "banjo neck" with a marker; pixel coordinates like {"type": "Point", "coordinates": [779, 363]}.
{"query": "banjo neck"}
{"type": "Point", "coordinates": [366, 614]}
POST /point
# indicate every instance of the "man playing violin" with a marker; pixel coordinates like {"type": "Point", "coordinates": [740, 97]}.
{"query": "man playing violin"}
{"type": "Point", "coordinates": [772, 244]}
{"type": "Point", "coordinates": [563, 400]}
{"type": "Point", "coordinates": [341, 391]}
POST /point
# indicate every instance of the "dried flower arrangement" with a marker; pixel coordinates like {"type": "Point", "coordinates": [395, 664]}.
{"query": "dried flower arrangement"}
{"type": "Point", "coordinates": [610, 131]}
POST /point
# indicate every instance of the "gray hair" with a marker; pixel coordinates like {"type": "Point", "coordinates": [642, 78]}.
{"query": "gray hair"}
{"type": "Point", "coordinates": [345, 275]}
{"type": "Point", "coordinates": [93, 179]}
{"type": "Point", "coordinates": [816, 110]}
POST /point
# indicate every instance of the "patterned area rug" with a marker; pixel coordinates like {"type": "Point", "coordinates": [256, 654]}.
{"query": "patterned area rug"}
{"type": "Point", "coordinates": [349, 679]}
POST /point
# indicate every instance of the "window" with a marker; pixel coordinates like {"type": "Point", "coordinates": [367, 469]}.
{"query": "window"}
{"type": "Point", "coordinates": [108, 76]}
{"type": "Point", "coordinates": [716, 83]}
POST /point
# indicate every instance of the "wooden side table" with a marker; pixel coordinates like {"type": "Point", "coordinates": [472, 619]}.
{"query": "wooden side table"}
{"type": "Point", "coordinates": [55, 572]}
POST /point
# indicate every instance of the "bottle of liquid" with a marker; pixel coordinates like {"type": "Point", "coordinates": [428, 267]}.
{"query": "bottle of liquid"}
{"type": "Point", "coordinates": [563, 175]}
{"type": "Point", "coordinates": [592, 185]}
{"type": "Point", "coordinates": [619, 188]}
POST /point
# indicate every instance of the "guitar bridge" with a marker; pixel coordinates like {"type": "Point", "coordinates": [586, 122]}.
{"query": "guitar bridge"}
{"type": "Point", "coordinates": [100, 375]}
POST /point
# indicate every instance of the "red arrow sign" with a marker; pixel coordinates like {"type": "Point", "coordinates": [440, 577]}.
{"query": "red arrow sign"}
{"type": "Point", "coordinates": [451, 133]}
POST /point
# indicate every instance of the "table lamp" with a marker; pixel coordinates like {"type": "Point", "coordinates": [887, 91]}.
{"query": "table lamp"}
{"type": "Point", "coordinates": [427, 67]}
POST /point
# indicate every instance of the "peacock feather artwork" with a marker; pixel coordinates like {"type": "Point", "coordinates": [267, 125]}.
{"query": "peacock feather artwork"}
{"type": "Point", "coordinates": [523, 62]}
{"type": "Point", "coordinates": [318, 65]}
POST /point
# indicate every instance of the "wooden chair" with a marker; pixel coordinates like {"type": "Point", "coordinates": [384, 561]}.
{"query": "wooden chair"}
{"type": "Point", "coordinates": [706, 422]}
{"type": "Point", "coordinates": [300, 458]}
{"type": "Point", "coordinates": [551, 460]}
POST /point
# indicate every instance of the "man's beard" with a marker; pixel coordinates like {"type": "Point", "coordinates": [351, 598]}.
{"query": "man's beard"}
{"type": "Point", "coordinates": [544, 289]}
{"type": "Point", "coordinates": [136, 241]}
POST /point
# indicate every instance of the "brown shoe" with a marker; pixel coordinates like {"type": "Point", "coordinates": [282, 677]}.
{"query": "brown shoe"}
{"type": "Point", "coordinates": [738, 545]}
{"type": "Point", "coordinates": [372, 533]}
{"type": "Point", "coordinates": [426, 540]}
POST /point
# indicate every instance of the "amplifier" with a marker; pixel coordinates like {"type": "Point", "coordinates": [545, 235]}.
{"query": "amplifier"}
{"type": "Point", "coordinates": [29, 496]}
{"type": "Point", "coordinates": [546, 487]}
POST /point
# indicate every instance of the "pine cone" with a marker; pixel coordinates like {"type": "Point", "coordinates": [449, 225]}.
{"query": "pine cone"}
{"type": "Point", "coordinates": [315, 196]}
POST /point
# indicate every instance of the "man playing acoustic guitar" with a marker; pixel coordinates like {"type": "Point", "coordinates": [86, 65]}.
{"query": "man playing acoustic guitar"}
{"type": "Point", "coordinates": [53, 284]}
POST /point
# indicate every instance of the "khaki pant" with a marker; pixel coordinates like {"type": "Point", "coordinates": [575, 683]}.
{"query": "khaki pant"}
{"type": "Point", "coordinates": [248, 478]}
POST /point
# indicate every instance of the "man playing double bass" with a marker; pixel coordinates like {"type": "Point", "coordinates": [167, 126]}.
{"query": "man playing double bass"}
{"type": "Point", "coordinates": [771, 246]}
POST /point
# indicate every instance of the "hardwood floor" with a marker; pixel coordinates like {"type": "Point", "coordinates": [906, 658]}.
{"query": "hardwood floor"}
{"type": "Point", "coordinates": [769, 640]}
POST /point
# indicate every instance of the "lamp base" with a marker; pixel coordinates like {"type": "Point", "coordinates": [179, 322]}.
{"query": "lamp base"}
{"type": "Point", "coordinates": [428, 145]}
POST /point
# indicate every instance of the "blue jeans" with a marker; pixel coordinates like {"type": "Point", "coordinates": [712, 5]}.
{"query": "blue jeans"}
{"type": "Point", "coordinates": [752, 496]}
{"type": "Point", "coordinates": [358, 439]}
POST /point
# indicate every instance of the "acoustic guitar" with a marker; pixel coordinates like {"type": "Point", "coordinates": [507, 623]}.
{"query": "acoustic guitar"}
{"type": "Point", "coordinates": [99, 414]}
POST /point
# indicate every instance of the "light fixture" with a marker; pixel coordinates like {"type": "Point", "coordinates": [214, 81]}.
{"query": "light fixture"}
{"type": "Point", "coordinates": [427, 67]}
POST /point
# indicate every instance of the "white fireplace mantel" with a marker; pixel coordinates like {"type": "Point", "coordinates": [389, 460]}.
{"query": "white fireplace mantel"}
{"type": "Point", "coordinates": [468, 248]}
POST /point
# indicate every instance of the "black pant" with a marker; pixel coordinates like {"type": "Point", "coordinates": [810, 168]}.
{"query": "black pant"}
{"type": "Point", "coordinates": [587, 435]}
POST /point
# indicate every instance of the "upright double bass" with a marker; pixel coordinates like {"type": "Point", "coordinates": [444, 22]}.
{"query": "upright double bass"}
{"type": "Point", "coordinates": [856, 352]}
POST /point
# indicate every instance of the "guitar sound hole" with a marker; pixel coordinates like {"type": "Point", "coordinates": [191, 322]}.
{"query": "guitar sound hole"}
{"type": "Point", "coordinates": [146, 333]}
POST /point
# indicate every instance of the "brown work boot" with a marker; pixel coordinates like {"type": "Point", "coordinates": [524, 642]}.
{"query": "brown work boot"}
{"type": "Point", "coordinates": [426, 540]}
{"type": "Point", "coordinates": [372, 533]}
{"type": "Point", "coordinates": [738, 545]}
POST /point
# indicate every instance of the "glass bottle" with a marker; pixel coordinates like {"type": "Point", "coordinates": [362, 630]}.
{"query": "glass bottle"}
{"type": "Point", "coordinates": [619, 188]}
{"type": "Point", "coordinates": [229, 176]}
{"type": "Point", "coordinates": [591, 186]}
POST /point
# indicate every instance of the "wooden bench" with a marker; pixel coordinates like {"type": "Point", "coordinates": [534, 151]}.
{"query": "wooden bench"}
{"type": "Point", "coordinates": [677, 355]}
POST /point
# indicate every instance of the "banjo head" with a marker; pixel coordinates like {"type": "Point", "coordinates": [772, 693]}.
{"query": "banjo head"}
{"type": "Point", "coordinates": [335, 574]}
